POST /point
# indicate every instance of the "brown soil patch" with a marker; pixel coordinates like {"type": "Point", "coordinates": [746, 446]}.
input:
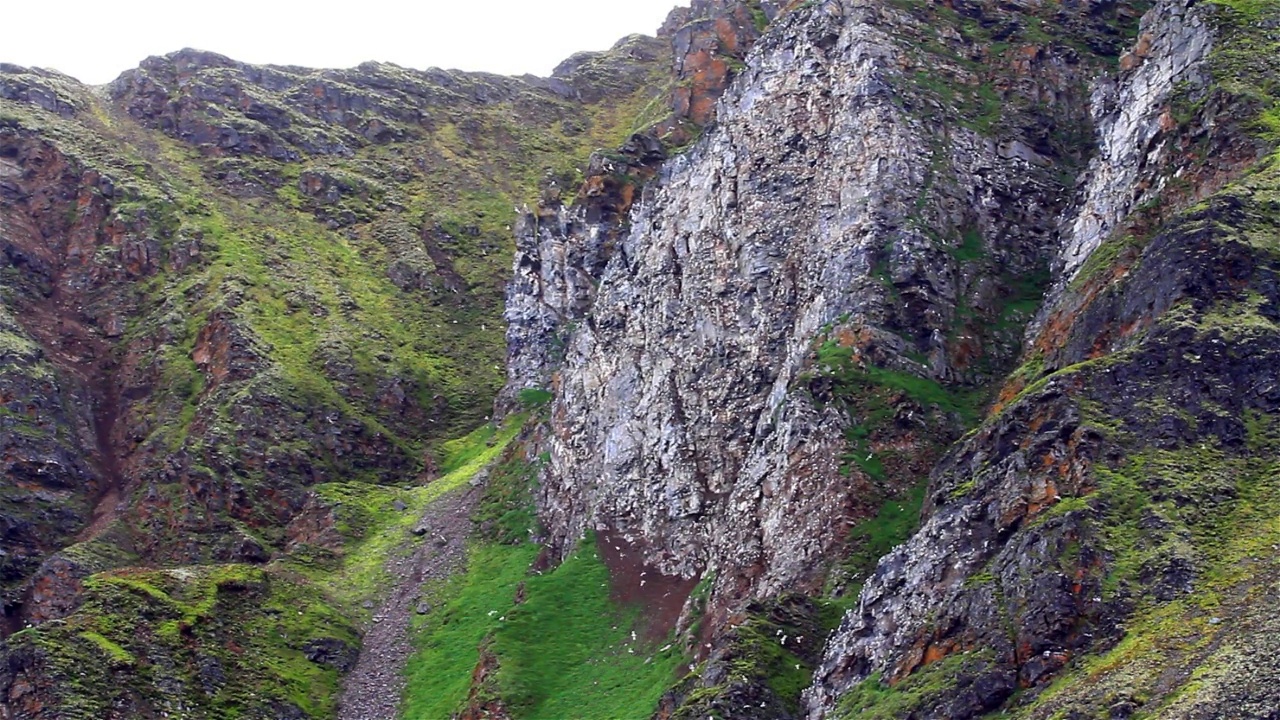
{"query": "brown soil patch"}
{"type": "Point", "coordinates": [659, 598]}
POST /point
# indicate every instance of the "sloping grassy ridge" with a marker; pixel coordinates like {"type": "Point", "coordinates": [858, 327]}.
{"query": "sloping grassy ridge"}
{"type": "Point", "coordinates": [308, 266]}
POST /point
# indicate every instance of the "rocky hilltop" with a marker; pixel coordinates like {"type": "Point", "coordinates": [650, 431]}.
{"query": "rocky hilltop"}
{"type": "Point", "coordinates": [863, 359]}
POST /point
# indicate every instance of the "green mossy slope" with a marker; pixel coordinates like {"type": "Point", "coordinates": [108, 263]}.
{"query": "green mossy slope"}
{"type": "Point", "coordinates": [210, 642]}
{"type": "Point", "coordinates": [542, 645]}
{"type": "Point", "coordinates": [298, 274]}
{"type": "Point", "coordinates": [565, 649]}
{"type": "Point", "coordinates": [239, 641]}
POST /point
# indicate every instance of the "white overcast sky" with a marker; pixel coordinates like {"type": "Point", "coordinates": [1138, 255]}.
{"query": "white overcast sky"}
{"type": "Point", "coordinates": [96, 40]}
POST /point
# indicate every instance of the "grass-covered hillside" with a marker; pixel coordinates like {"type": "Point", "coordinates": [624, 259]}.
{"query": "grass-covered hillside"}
{"type": "Point", "coordinates": [248, 280]}
{"type": "Point", "coordinates": [229, 292]}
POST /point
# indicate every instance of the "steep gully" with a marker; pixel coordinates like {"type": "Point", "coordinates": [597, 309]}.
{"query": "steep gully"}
{"type": "Point", "coordinates": [701, 38]}
{"type": "Point", "coordinates": [80, 351]}
{"type": "Point", "coordinates": [62, 235]}
{"type": "Point", "coordinates": [71, 304]}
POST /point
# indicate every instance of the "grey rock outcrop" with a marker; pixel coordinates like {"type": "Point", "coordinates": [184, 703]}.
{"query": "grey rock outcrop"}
{"type": "Point", "coordinates": [1132, 118]}
{"type": "Point", "coordinates": [882, 184]}
{"type": "Point", "coordinates": [826, 201]}
{"type": "Point", "coordinates": [985, 573]}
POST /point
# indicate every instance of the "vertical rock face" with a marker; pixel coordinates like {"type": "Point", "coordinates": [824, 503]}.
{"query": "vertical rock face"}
{"type": "Point", "coordinates": [885, 193]}
{"type": "Point", "coordinates": [1066, 517]}
{"type": "Point", "coordinates": [708, 39]}
{"type": "Point", "coordinates": [673, 400]}
{"type": "Point", "coordinates": [843, 197]}
{"type": "Point", "coordinates": [561, 249]}
{"type": "Point", "coordinates": [1133, 123]}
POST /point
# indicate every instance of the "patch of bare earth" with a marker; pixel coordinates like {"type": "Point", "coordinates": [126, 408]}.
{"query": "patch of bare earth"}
{"type": "Point", "coordinates": [659, 598]}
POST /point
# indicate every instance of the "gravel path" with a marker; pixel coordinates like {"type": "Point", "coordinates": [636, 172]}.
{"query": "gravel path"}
{"type": "Point", "coordinates": [373, 689]}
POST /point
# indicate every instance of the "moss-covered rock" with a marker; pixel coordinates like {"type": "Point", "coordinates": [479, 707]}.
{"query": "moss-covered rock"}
{"type": "Point", "coordinates": [206, 642]}
{"type": "Point", "coordinates": [1087, 550]}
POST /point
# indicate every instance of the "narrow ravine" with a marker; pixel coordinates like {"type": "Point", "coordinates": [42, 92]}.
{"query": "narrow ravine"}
{"type": "Point", "coordinates": [81, 351]}
{"type": "Point", "coordinates": [106, 412]}
{"type": "Point", "coordinates": [84, 360]}
{"type": "Point", "coordinates": [373, 689]}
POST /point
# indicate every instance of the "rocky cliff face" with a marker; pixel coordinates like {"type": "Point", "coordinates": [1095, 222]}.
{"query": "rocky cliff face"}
{"type": "Point", "coordinates": [907, 359]}
{"type": "Point", "coordinates": [807, 308]}
{"type": "Point", "coordinates": [563, 244]}
{"type": "Point", "coordinates": [1072, 512]}
{"type": "Point", "coordinates": [845, 200]}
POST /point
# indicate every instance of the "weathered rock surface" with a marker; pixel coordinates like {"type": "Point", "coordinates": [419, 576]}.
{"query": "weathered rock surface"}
{"type": "Point", "coordinates": [708, 39]}
{"type": "Point", "coordinates": [1035, 554]}
{"type": "Point", "coordinates": [1132, 120]}
{"type": "Point", "coordinates": [801, 313]}
{"type": "Point", "coordinates": [563, 244]}
{"type": "Point", "coordinates": [818, 208]}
